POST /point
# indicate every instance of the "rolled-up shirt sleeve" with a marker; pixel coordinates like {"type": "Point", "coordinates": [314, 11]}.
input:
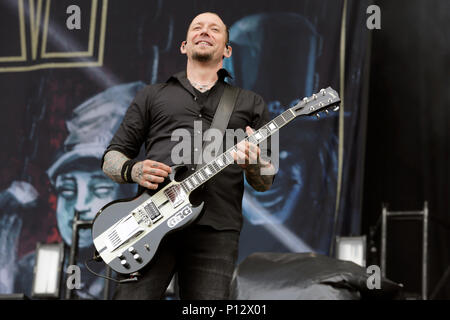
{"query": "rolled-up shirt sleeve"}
{"type": "Point", "coordinates": [134, 128]}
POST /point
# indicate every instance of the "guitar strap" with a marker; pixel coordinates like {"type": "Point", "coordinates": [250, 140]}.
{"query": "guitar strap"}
{"type": "Point", "coordinates": [222, 115]}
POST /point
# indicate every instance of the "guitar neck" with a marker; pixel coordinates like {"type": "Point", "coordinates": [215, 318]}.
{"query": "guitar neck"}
{"type": "Point", "coordinates": [222, 161]}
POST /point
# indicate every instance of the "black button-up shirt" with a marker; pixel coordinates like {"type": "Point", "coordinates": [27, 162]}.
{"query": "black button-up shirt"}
{"type": "Point", "coordinates": [159, 109]}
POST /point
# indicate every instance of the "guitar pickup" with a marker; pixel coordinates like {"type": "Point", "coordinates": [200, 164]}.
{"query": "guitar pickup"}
{"type": "Point", "coordinates": [175, 194]}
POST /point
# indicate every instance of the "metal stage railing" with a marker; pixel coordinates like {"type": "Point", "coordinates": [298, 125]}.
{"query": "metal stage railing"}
{"type": "Point", "coordinates": [76, 226]}
{"type": "Point", "coordinates": [422, 215]}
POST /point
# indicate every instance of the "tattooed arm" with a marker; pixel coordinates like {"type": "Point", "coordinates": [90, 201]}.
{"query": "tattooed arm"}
{"type": "Point", "coordinates": [260, 176]}
{"type": "Point", "coordinates": [147, 173]}
{"type": "Point", "coordinates": [112, 165]}
{"type": "Point", "coordinates": [258, 172]}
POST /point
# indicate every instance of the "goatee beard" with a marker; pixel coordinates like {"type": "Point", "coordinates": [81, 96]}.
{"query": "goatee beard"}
{"type": "Point", "coordinates": [202, 57]}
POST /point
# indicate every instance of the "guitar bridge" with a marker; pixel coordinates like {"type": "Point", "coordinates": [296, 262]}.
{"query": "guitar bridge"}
{"type": "Point", "coordinates": [152, 212]}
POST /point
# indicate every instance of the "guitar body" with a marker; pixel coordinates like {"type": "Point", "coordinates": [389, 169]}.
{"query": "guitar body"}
{"type": "Point", "coordinates": [127, 233]}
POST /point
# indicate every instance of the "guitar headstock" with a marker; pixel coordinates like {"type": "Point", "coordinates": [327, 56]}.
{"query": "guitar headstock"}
{"type": "Point", "coordinates": [324, 100]}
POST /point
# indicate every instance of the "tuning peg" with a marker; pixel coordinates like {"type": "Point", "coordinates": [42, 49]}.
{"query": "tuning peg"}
{"type": "Point", "coordinates": [317, 115]}
{"type": "Point", "coordinates": [323, 91]}
{"type": "Point", "coordinates": [314, 96]}
{"type": "Point", "coordinates": [336, 108]}
{"type": "Point", "coordinates": [326, 111]}
{"type": "Point", "coordinates": [305, 99]}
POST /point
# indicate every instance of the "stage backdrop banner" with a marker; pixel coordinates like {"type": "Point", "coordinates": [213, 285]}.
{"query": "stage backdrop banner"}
{"type": "Point", "coordinates": [69, 69]}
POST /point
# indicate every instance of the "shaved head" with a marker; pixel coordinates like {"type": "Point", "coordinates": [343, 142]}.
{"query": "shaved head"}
{"type": "Point", "coordinates": [227, 31]}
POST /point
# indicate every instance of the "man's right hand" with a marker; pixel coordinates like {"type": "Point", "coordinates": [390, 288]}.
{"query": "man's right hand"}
{"type": "Point", "coordinates": [149, 173]}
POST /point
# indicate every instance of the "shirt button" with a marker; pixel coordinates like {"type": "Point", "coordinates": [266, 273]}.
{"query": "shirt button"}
{"type": "Point", "coordinates": [195, 98]}
{"type": "Point", "coordinates": [195, 149]}
{"type": "Point", "coordinates": [200, 115]}
{"type": "Point", "coordinates": [199, 132]}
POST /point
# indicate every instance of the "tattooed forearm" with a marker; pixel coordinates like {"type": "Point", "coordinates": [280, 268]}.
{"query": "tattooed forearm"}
{"type": "Point", "coordinates": [112, 165]}
{"type": "Point", "coordinates": [260, 182]}
{"type": "Point", "coordinates": [137, 173]}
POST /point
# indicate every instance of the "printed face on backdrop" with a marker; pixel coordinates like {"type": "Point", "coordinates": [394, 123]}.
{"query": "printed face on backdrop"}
{"type": "Point", "coordinates": [206, 39]}
{"type": "Point", "coordinates": [85, 192]}
{"type": "Point", "coordinates": [291, 64]}
{"type": "Point", "coordinates": [283, 72]}
{"type": "Point", "coordinates": [80, 184]}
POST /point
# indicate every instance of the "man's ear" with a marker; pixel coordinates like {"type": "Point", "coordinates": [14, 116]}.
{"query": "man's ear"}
{"type": "Point", "coordinates": [183, 47]}
{"type": "Point", "coordinates": [228, 51]}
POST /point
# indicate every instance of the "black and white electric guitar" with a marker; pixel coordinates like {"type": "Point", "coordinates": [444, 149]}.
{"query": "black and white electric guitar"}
{"type": "Point", "coordinates": [127, 233]}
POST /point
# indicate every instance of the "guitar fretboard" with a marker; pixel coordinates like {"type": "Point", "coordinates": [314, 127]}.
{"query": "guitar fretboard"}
{"type": "Point", "coordinates": [225, 159]}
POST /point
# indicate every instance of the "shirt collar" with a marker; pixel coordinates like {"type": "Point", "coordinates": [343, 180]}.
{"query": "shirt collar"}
{"type": "Point", "coordinates": [180, 76]}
